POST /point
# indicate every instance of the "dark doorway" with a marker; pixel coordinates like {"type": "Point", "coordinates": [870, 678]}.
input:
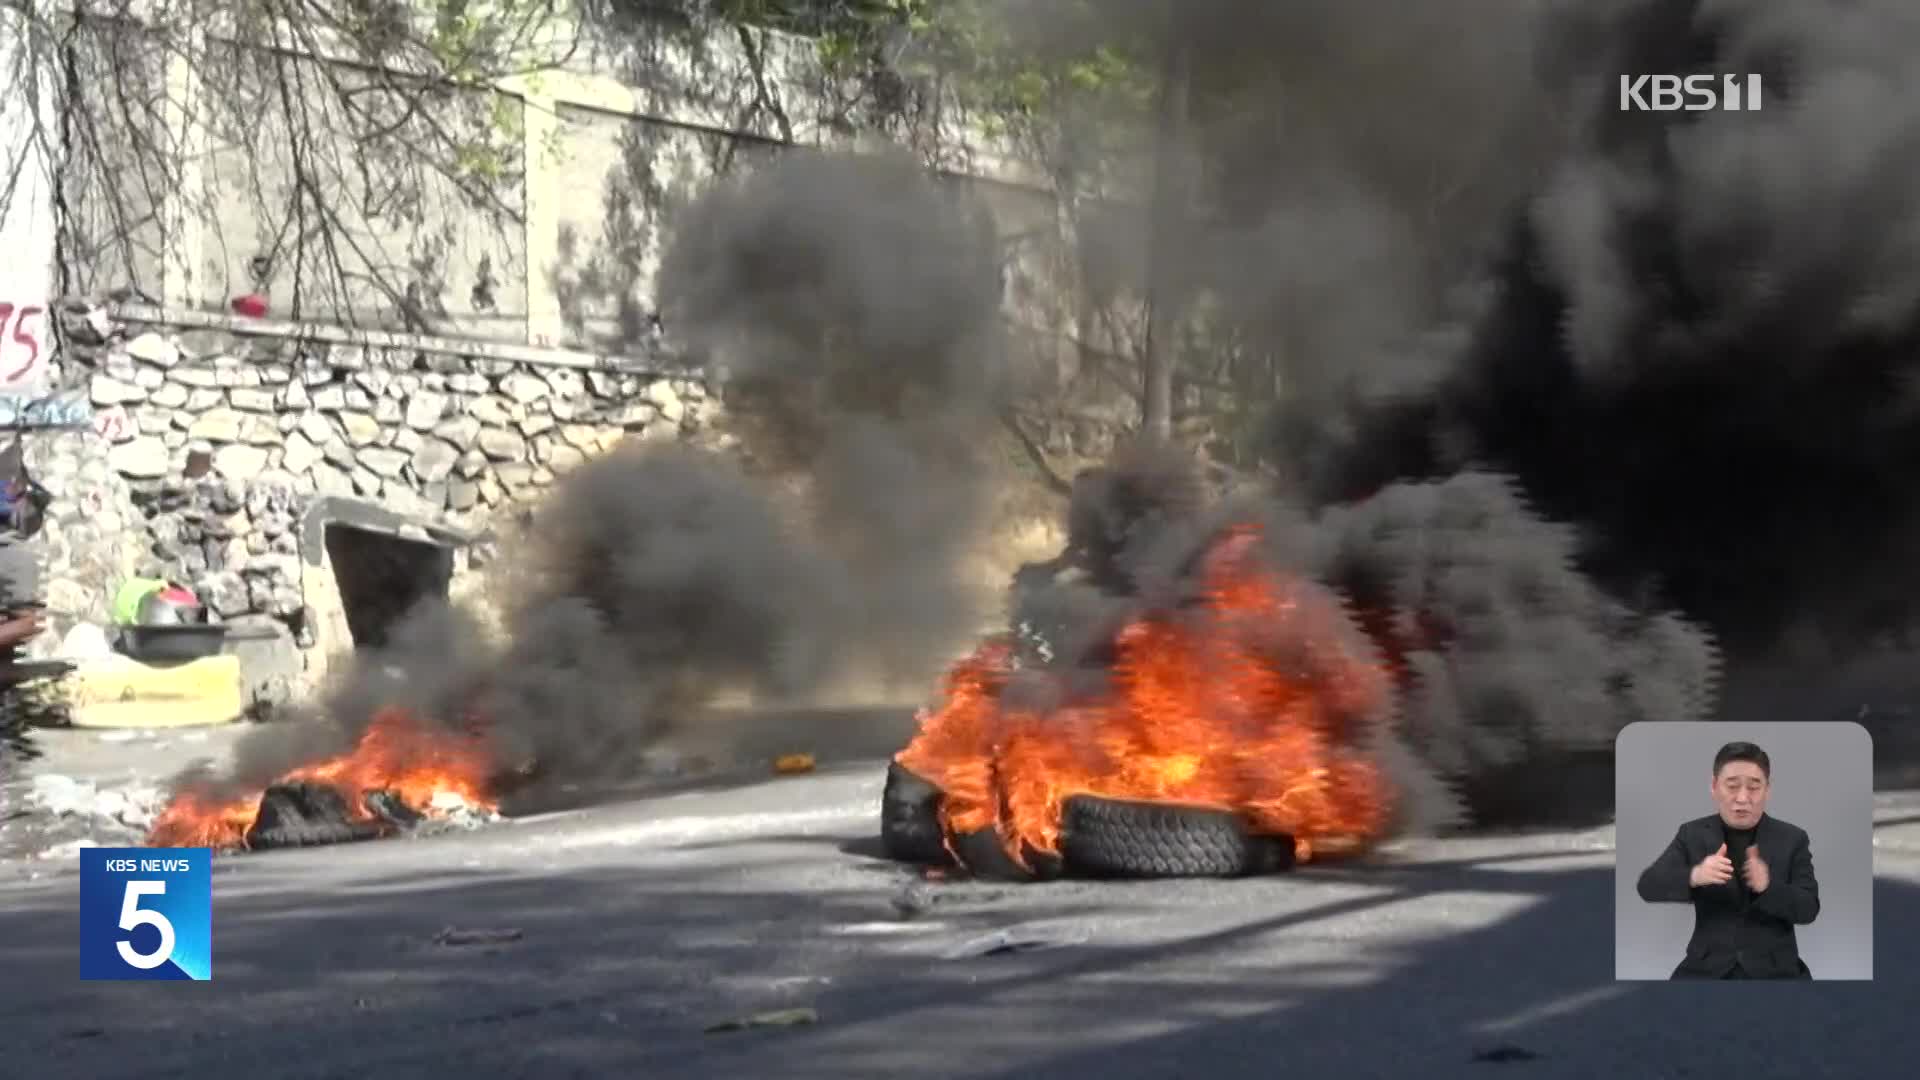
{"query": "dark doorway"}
{"type": "Point", "coordinates": [381, 576]}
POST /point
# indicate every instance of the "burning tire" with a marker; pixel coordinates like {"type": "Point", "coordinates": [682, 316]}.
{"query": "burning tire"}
{"type": "Point", "coordinates": [910, 819]}
{"type": "Point", "coordinates": [1114, 838]}
{"type": "Point", "coordinates": [985, 857]}
{"type": "Point", "coordinates": [1099, 838]}
{"type": "Point", "coordinates": [911, 832]}
{"type": "Point", "coordinates": [307, 815]}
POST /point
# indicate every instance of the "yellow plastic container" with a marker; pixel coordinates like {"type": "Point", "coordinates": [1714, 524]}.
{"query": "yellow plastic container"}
{"type": "Point", "coordinates": [119, 692]}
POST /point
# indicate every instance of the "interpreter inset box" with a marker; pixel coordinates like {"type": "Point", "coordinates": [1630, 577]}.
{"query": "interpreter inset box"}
{"type": "Point", "coordinates": [1743, 851]}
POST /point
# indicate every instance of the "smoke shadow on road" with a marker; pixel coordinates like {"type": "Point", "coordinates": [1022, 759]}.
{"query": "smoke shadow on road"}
{"type": "Point", "coordinates": [326, 965]}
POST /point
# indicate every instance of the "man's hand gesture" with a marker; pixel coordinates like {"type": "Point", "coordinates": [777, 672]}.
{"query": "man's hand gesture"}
{"type": "Point", "coordinates": [1754, 869]}
{"type": "Point", "coordinates": [1715, 869]}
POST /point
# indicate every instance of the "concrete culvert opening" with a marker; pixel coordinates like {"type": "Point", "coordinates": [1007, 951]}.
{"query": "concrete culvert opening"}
{"type": "Point", "coordinates": [382, 575]}
{"type": "Point", "coordinates": [367, 566]}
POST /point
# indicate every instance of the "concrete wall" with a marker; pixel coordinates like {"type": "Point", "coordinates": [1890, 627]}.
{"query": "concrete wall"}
{"type": "Point", "coordinates": [230, 431]}
{"type": "Point", "coordinates": [192, 196]}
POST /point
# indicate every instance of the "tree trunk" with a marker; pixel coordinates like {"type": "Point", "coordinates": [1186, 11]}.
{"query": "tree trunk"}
{"type": "Point", "coordinates": [1167, 209]}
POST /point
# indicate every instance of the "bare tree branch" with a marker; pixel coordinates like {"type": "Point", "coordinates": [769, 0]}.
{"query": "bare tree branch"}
{"type": "Point", "coordinates": [1038, 457]}
{"type": "Point", "coordinates": [341, 134]}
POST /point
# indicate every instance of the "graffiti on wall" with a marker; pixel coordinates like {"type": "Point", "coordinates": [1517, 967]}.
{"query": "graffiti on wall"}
{"type": "Point", "coordinates": [24, 343]}
{"type": "Point", "coordinates": [23, 411]}
{"type": "Point", "coordinates": [113, 424]}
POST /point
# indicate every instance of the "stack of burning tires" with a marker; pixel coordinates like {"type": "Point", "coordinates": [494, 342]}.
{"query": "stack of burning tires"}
{"type": "Point", "coordinates": [1217, 687]}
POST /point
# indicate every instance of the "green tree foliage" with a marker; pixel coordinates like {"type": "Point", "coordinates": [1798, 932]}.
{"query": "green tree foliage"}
{"type": "Point", "coordinates": [1077, 93]}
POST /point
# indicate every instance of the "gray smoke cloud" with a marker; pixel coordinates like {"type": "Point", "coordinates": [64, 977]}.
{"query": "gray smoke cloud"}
{"type": "Point", "coordinates": [846, 308]}
{"type": "Point", "coordinates": [1349, 178]}
{"type": "Point", "coordinates": [652, 579]}
{"type": "Point", "coordinates": [1506, 660]}
{"type": "Point", "coordinates": [852, 303]}
{"type": "Point", "coordinates": [1505, 646]}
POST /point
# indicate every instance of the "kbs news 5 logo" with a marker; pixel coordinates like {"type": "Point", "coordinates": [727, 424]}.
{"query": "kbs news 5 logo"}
{"type": "Point", "coordinates": [146, 913]}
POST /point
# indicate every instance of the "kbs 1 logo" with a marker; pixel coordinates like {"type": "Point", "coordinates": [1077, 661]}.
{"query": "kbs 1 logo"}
{"type": "Point", "coordinates": [1694, 93]}
{"type": "Point", "coordinates": [146, 913]}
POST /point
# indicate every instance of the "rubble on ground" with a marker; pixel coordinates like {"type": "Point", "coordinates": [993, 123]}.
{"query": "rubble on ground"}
{"type": "Point", "coordinates": [448, 812]}
{"type": "Point", "coordinates": [51, 815]}
{"type": "Point", "coordinates": [92, 789]}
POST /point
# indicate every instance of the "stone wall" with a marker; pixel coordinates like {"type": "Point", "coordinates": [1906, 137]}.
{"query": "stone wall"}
{"type": "Point", "coordinates": [210, 444]}
{"type": "Point", "coordinates": [92, 532]}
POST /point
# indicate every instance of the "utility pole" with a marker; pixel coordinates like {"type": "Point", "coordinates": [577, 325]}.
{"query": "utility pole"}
{"type": "Point", "coordinates": [1166, 211]}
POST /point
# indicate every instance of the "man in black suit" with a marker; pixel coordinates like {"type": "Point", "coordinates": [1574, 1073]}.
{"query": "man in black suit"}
{"type": "Point", "coordinates": [1748, 876]}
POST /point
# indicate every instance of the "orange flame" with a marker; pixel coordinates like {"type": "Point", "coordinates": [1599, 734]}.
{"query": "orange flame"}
{"type": "Point", "coordinates": [1197, 714]}
{"type": "Point", "coordinates": [398, 752]}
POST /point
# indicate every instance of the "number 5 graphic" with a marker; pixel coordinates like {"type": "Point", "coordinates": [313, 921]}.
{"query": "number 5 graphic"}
{"type": "Point", "coordinates": [132, 915]}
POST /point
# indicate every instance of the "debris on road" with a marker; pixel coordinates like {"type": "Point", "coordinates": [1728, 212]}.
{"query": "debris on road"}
{"type": "Point", "coordinates": [52, 815]}
{"type": "Point", "coordinates": [63, 796]}
{"type": "Point", "coordinates": [389, 806]}
{"type": "Point", "coordinates": [453, 936]}
{"type": "Point", "coordinates": [448, 812]}
{"type": "Point", "coordinates": [885, 929]}
{"type": "Point", "coordinates": [775, 1018]}
{"type": "Point", "coordinates": [793, 764]}
{"type": "Point", "coordinates": [911, 900]}
{"type": "Point", "coordinates": [1013, 940]}
{"type": "Point", "coordinates": [1504, 1053]}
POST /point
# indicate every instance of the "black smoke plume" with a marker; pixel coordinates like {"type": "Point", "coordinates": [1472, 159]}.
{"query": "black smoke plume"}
{"type": "Point", "coordinates": [1703, 344]}
{"type": "Point", "coordinates": [1689, 336]}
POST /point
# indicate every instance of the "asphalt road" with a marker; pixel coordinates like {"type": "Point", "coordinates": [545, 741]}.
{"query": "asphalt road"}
{"type": "Point", "coordinates": [645, 922]}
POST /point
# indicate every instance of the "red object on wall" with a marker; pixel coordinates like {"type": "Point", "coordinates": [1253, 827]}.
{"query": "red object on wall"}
{"type": "Point", "coordinates": [252, 306]}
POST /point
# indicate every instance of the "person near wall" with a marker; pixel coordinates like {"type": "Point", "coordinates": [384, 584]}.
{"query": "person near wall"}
{"type": "Point", "coordinates": [23, 505]}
